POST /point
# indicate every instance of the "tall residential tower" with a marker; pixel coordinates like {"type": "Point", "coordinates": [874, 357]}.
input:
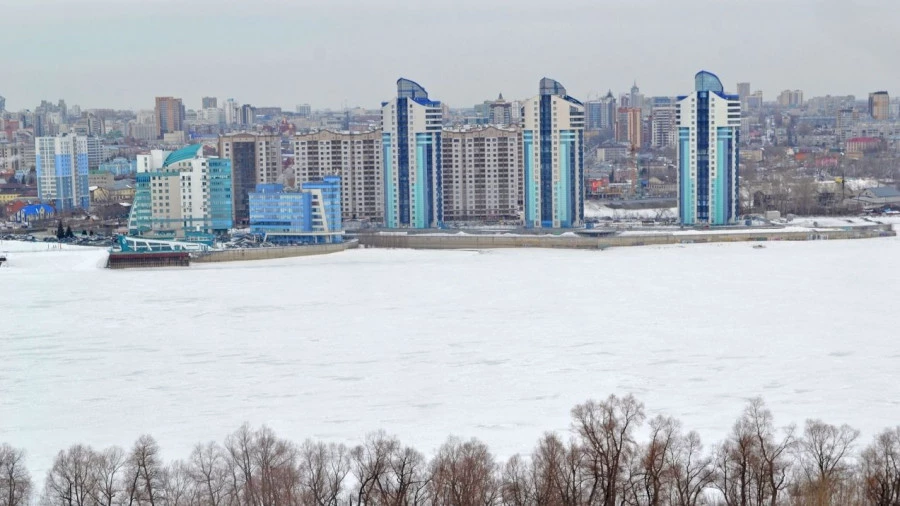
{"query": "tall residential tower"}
{"type": "Point", "coordinates": [62, 164]}
{"type": "Point", "coordinates": [708, 125]}
{"type": "Point", "coordinates": [553, 155]}
{"type": "Point", "coordinates": [411, 153]}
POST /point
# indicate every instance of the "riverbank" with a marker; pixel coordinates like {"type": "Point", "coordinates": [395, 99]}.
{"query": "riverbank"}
{"type": "Point", "coordinates": [573, 240]}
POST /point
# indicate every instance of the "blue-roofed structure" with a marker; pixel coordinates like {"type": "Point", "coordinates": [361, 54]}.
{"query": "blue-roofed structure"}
{"type": "Point", "coordinates": [185, 153]}
{"type": "Point", "coordinates": [407, 88]}
{"type": "Point", "coordinates": [34, 212]}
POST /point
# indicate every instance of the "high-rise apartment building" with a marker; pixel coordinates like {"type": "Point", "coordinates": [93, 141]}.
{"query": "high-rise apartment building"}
{"type": "Point", "coordinates": [709, 121]}
{"type": "Point", "coordinates": [304, 110]}
{"type": "Point", "coordinates": [356, 158]}
{"type": "Point", "coordinates": [411, 141]}
{"type": "Point", "coordinates": [629, 127]}
{"type": "Point", "coordinates": [662, 126]}
{"type": "Point", "coordinates": [879, 105]}
{"type": "Point", "coordinates": [635, 97]}
{"type": "Point", "coordinates": [743, 91]}
{"type": "Point", "coordinates": [209, 103]}
{"type": "Point", "coordinates": [481, 170]}
{"type": "Point", "coordinates": [608, 111]}
{"type": "Point", "coordinates": [169, 115]}
{"type": "Point", "coordinates": [553, 158]}
{"type": "Point", "coordinates": [62, 164]}
{"type": "Point", "coordinates": [592, 113]}
{"type": "Point", "coordinates": [181, 194]}
{"type": "Point", "coordinates": [255, 159]}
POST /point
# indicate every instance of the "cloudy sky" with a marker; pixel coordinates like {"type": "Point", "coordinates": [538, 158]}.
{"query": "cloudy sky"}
{"type": "Point", "coordinates": [122, 53]}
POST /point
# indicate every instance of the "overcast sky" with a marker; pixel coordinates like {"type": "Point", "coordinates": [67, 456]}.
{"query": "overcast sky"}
{"type": "Point", "coordinates": [122, 53]}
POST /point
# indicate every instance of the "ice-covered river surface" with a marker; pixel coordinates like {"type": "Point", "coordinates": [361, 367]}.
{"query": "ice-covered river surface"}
{"type": "Point", "coordinates": [497, 345]}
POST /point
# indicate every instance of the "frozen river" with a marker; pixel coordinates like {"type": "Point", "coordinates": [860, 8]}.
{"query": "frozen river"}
{"type": "Point", "coordinates": [498, 344]}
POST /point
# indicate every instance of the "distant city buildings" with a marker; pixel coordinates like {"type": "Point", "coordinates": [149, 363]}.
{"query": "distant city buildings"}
{"type": "Point", "coordinates": [481, 174]}
{"type": "Point", "coordinates": [501, 112]}
{"type": "Point", "coordinates": [708, 124]}
{"type": "Point", "coordinates": [209, 103]}
{"type": "Point", "coordinates": [411, 136]}
{"type": "Point", "coordinates": [169, 116]}
{"type": "Point", "coordinates": [743, 91]}
{"type": "Point", "coordinates": [255, 159]}
{"type": "Point", "coordinates": [879, 106]}
{"type": "Point", "coordinates": [119, 167]}
{"type": "Point", "coordinates": [311, 215]}
{"type": "Point", "coordinates": [181, 194]}
{"type": "Point", "coordinates": [553, 156]}
{"type": "Point", "coordinates": [63, 164]}
{"type": "Point", "coordinates": [790, 98]}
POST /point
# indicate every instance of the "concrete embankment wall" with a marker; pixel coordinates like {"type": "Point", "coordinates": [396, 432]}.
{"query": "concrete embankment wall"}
{"type": "Point", "coordinates": [421, 241]}
{"type": "Point", "coordinates": [232, 255]}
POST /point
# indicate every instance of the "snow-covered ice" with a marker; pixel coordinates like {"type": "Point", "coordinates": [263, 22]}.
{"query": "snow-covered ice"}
{"type": "Point", "coordinates": [493, 344]}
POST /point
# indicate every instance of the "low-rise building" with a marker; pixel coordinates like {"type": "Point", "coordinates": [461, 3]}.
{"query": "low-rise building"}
{"type": "Point", "coordinates": [311, 215]}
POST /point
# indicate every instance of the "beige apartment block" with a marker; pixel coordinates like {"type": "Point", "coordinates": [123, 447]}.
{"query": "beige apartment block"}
{"type": "Point", "coordinates": [482, 175]}
{"type": "Point", "coordinates": [356, 158]}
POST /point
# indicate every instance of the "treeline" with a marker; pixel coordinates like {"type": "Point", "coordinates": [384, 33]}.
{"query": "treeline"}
{"type": "Point", "coordinates": [599, 462]}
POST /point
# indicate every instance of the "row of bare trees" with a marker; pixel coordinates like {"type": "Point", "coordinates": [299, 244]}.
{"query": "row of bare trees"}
{"type": "Point", "coordinates": [599, 462]}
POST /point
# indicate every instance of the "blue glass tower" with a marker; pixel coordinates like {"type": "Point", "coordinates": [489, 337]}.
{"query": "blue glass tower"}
{"type": "Point", "coordinates": [553, 154]}
{"type": "Point", "coordinates": [411, 153]}
{"type": "Point", "coordinates": [709, 123]}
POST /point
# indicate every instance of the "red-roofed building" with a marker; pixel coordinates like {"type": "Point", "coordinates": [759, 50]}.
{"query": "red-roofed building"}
{"type": "Point", "coordinates": [863, 144]}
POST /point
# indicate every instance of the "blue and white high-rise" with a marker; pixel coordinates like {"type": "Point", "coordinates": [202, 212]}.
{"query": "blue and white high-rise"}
{"type": "Point", "coordinates": [709, 121]}
{"type": "Point", "coordinates": [553, 141]}
{"type": "Point", "coordinates": [62, 164]}
{"type": "Point", "coordinates": [411, 148]}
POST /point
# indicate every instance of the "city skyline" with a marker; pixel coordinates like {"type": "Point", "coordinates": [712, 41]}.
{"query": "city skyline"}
{"type": "Point", "coordinates": [316, 52]}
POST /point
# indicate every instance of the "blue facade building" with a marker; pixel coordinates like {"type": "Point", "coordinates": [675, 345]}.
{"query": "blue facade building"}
{"type": "Point", "coordinates": [709, 122]}
{"type": "Point", "coordinates": [411, 153]}
{"type": "Point", "coordinates": [309, 216]}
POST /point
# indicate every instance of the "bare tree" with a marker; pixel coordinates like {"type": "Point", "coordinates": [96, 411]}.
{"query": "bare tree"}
{"type": "Point", "coordinates": [650, 478]}
{"type": "Point", "coordinates": [178, 487]}
{"type": "Point", "coordinates": [517, 483]}
{"type": "Point", "coordinates": [371, 461]}
{"type": "Point", "coordinates": [752, 464]}
{"type": "Point", "coordinates": [691, 470]}
{"type": "Point", "coordinates": [207, 468]}
{"type": "Point", "coordinates": [15, 481]}
{"type": "Point", "coordinates": [145, 473]}
{"type": "Point", "coordinates": [774, 452]}
{"type": "Point", "coordinates": [276, 462]}
{"type": "Point", "coordinates": [106, 469]}
{"type": "Point", "coordinates": [323, 469]}
{"type": "Point", "coordinates": [72, 481]}
{"type": "Point", "coordinates": [606, 432]}
{"type": "Point", "coordinates": [881, 469]}
{"type": "Point", "coordinates": [560, 476]}
{"type": "Point", "coordinates": [464, 474]}
{"type": "Point", "coordinates": [239, 448]}
{"type": "Point", "coordinates": [823, 467]}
